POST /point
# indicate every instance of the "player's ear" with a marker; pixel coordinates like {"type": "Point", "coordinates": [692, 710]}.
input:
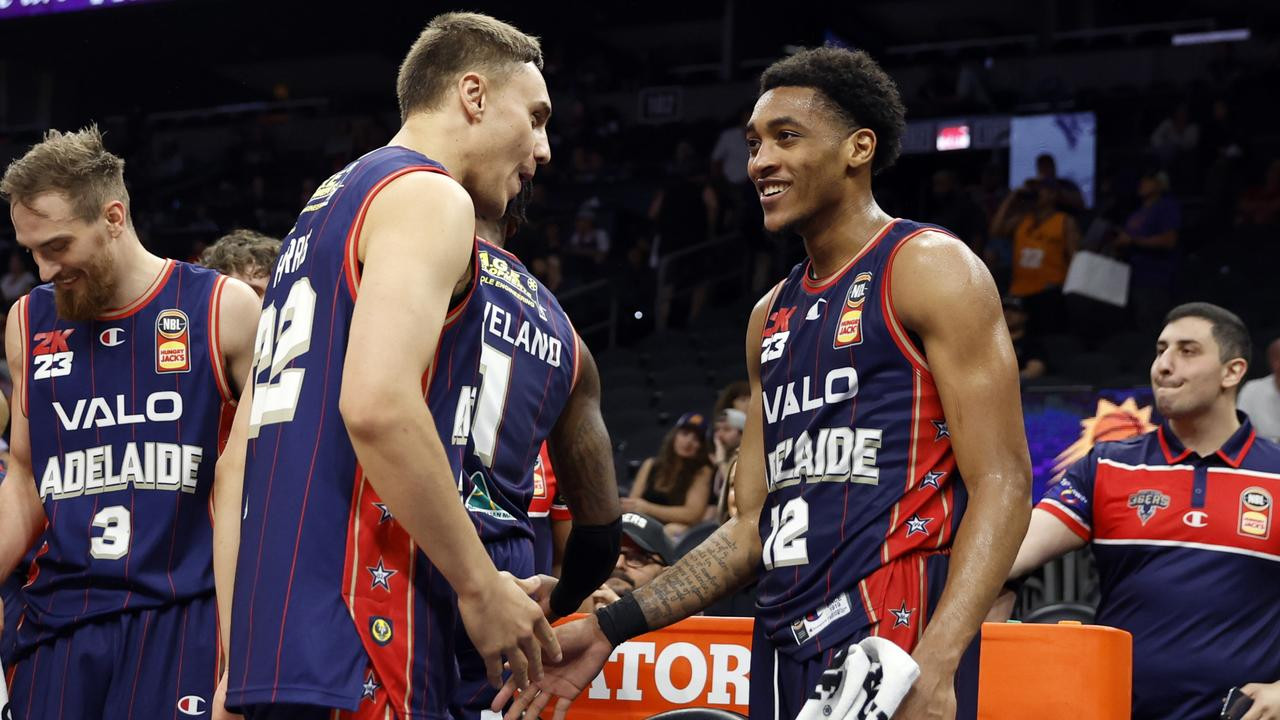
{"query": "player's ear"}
{"type": "Point", "coordinates": [116, 217]}
{"type": "Point", "coordinates": [860, 148]}
{"type": "Point", "coordinates": [1233, 372]}
{"type": "Point", "coordinates": [473, 93]}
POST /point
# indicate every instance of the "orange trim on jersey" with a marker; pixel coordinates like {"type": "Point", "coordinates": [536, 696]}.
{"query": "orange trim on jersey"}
{"type": "Point", "coordinates": [24, 323]}
{"type": "Point", "coordinates": [215, 342]}
{"type": "Point", "coordinates": [577, 357]}
{"type": "Point", "coordinates": [351, 252]}
{"type": "Point", "coordinates": [147, 296]}
{"type": "Point", "coordinates": [821, 284]}
{"type": "Point", "coordinates": [897, 331]}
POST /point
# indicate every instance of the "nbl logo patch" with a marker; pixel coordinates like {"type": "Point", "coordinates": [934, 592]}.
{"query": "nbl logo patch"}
{"type": "Point", "coordinates": [1147, 502]}
{"type": "Point", "coordinates": [1255, 513]}
{"type": "Point", "coordinates": [849, 329]}
{"type": "Point", "coordinates": [173, 342]}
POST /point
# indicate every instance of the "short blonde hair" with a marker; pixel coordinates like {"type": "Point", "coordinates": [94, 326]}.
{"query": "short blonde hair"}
{"type": "Point", "coordinates": [75, 164]}
{"type": "Point", "coordinates": [453, 43]}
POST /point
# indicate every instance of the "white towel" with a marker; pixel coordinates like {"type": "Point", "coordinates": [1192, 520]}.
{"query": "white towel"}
{"type": "Point", "coordinates": [866, 681]}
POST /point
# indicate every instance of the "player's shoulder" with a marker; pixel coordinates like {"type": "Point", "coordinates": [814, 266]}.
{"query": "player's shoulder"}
{"type": "Point", "coordinates": [934, 241]}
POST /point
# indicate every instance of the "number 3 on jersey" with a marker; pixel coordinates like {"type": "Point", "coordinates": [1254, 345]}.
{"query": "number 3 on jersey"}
{"type": "Point", "coordinates": [786, 545]}
{"type": "Point", "coordinates": [278, 342]}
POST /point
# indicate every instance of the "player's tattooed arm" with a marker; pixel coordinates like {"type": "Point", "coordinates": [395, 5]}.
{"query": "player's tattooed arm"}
{"type": "Point", "coordinates": [730, 558]}
{"type": "Point", "coordinates": [581, 453]}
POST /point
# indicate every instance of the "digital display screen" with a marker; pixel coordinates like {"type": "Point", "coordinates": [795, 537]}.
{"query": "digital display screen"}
{"type": "Point", "coordinates": [1071, 140]}
{"type": "Point", "coordinates": [953, 137]}
{"type": "Point", "coordinates": [24, 8]}
{"type": "Point", "coordinates": [1064, 424]}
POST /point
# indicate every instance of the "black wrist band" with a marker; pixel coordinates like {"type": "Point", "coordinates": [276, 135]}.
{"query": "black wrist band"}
{"type": "Point", "coordinates": [622, 620]}
{"type": "Point", "coordinates": [590, 555]}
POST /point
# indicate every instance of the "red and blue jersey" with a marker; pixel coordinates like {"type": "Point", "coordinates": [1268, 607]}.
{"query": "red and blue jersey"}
{"type": "Point", "coordinates": [1188, 555]}
{"type": "Point", "coordinates": [862, 483]}
{"type": "Point", "coordinates": [546, 508]}
{"type": "Point", "coordinates": [126, 413]}
{"type": "Point", "coordinates": [327, 582]}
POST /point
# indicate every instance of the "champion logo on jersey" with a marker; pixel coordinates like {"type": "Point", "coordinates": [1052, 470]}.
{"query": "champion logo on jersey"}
{"type": "Point", "coordinates": [111, 337]}
{"type": "Point", "coordinates": [173, 342]}
{"type": "Point", "coordinates": [1147, 503]}
{"type": "Point", "coordinates": [193, 705]}
{"type": "Point", "coordinates": [816, 310]}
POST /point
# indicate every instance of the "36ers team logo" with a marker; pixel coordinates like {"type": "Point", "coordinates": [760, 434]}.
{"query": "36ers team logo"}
{"type": "Point", "coordinates": [849, 329]}
{"type": "Point", "coordinates": [173, 342]}
{"type": "Point", "coordinates": [1255, 513]}
{"type": "Point", "coordinates": [1147, 502]}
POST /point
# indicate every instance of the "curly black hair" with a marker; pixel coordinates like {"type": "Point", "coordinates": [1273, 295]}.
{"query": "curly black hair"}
{"type": "Point", "coordinates": [857, 89]}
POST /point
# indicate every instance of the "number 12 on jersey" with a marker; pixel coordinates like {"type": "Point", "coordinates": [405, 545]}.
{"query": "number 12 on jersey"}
{"type": "Point", "coordinates": [786, 545]}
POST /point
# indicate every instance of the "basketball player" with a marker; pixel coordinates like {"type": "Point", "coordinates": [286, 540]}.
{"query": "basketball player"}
{"type": "Point", "coordinates": [125, 366]}
{"type": "Point", "coordinates": [881, 373]}
{"type": "Point", "coordinates": [383, 292]}
{"type": "Point", "coordinates": [245, 255]}
{"type": "Point", "coordinates": [550, 519]}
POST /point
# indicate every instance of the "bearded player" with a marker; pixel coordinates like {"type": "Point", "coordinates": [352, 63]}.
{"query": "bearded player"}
{"type": "Point", "coordinates": [125, 367]}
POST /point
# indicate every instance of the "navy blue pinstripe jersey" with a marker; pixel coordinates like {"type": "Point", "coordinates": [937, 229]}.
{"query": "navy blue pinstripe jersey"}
{"type": "Point", "coordinates": [125, 415]}
{"type": "Point", "coordinates": [859, 466]}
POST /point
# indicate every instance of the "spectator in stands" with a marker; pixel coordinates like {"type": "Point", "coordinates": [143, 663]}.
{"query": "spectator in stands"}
{"type": "Point", "coordinates": [1175, 136]}
{"type": "Point", "coordinates": [1026, 346]}
{"type": "Point", "coordinates": [1260, 398]}
{"type": "Point", "coordinates": [1180, 523]}
{"type": "Point", "coordinates": [588, 246]}
{"type": "Point", "coordinates": [645, 552]}
{"type": "Point", "coordinates": [949, 206]}
{"type": "Point", "coordinates": [1044, 239]}
{"type": "Point", "coordinates": [739, 196]}
{"type": "Point", "coordinates": [245, 255]}
{"type": "Point", "coordinates": [674, 486]}
{"type": "Point", "coordinates": [683, 212]}
{"type": "Point", "coordinates": [726, 437]}
{"type": "Point", "coordinates": [1150, 240]}
{"type": "Point", "coordinates": [1260, 204]}
{"type": "Point", "coordinates": [1070, 198]}
{"type": "Point", "coordinates": [735, 395]}
{"type": "Point", "coordinates": [18, 280]}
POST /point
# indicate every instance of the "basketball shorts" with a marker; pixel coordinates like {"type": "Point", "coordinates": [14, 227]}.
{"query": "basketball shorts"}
{"type": "Point", "coordinates": [781, 679]}
{"type": "Point", "coordinates": [474, 694]}
{"type": "Point", "coordinates": [145, 664]}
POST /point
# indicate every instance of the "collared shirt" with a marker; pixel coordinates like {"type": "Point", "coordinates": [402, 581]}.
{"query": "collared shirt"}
{"type": "Point", "coordinates": [1188, 555]}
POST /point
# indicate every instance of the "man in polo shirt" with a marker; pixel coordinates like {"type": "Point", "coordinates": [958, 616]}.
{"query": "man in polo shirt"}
{"type": "Point", "coordinates": [1183, 524]}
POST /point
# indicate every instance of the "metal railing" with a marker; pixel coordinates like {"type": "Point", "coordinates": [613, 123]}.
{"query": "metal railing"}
{"type": "Point", "coordinates": [740, 270]}
{"type": "Point", "coordinates": [592, 294]}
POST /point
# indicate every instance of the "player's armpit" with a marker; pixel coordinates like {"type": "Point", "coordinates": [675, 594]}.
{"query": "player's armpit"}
{"type": "Point", "coordinates": [22, 517]}
{"type": "Point", "coordinates": [942, 292]}
{"type": "Point", "coordinates": [581, 452]}
{"type": "Point", "coordinates": [237, 327]}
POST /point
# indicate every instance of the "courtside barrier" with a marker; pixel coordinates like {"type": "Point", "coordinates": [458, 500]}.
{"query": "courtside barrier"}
{"type": "Point", "coordinates": [1067, 671]}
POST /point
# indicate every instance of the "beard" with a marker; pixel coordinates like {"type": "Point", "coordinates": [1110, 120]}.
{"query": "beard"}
{"type": "Point", "coordinates": [92, 295]}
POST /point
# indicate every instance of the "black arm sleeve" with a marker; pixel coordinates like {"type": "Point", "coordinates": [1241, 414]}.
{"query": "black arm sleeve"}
{"type": "Point", "coordinates": [589, 557]}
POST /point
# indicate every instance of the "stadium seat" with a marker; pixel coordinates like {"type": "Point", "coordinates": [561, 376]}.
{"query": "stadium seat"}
{"type": "Point", "coordinates": [1058, 612]}
{"type": "Point", "coordinates": [694, 538]}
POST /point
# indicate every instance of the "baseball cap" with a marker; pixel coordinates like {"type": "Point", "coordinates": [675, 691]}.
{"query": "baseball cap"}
{"type": "Point", "coordinates": [735, 417]}
{"type": "Point", "coordinates": [694, 421]}
{"type": "Point", "coordinates": [646, 532]}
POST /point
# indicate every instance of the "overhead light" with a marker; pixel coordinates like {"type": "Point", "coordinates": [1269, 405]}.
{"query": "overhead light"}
{"type": "Point", "coordinates": [1212, 36]}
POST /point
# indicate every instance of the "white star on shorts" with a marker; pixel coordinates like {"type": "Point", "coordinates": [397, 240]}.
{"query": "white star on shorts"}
{"type": "Point", "coordinates": [381, 576]}
{"type": "Point", "coordinates": [370, 687]}
{"type": "Point", "coordinates": [902, 616]}
{"type": "Point", "coordinates": [917, 524]}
